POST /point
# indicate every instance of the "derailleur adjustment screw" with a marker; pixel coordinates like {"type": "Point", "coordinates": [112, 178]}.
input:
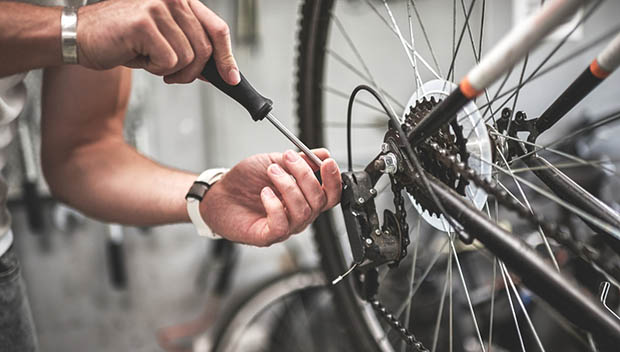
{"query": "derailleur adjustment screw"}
{"type": "Point", "coordinates": [373, 191]}
{"type": "Point", "coordinates": [368, 241]}
{"type": "Point", "coordinates": [378, 232]}
{"type": "Point", "coordinates": [361, 200]}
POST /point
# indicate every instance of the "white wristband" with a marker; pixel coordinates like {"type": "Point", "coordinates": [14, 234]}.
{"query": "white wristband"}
{"type": "Point", "coordinates": [196, 194]}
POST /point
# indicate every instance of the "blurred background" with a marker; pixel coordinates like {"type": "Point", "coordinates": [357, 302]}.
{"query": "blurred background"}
{"type": "Point", "coordinates": [103, 287]}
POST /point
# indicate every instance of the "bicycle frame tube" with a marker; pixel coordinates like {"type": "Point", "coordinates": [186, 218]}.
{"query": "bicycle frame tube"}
{"type": "Point", "coordinates": [600, 68]}
{"type": "Point", "coordinates": [502, 57]}
{"type": "Point", "coordinates": [574, 304]}
{"type": "Point", "coordinates": [568, 190]}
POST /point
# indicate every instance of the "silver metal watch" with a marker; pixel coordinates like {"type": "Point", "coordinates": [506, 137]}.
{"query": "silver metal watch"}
{"type": "Point", "coordinates": [68, 25]}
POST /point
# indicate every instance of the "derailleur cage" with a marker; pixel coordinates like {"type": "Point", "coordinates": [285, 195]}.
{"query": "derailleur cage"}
{"type": "Point", "coordinates": [372, 244]}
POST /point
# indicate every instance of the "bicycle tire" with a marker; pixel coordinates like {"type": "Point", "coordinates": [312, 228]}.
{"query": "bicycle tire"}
{"type": "Point", "coordinates": [313, 31]}
{"type": "Point", "coordinates": [254, 308]}
{"type": "Point", "coordinates": [312, 38]}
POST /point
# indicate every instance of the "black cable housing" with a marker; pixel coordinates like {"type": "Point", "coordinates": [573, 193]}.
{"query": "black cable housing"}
{"type": "Point", "coordinates": [417, 166]}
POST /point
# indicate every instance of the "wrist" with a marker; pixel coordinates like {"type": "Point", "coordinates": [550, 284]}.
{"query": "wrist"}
{"type": "Point", "coordinates": [196, 200]}
{"type": "Point", "coordinates": [30, 37]}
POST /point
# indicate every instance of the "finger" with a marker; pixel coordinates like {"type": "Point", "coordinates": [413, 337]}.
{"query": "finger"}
{"type": "Point", "coordinates": [322, 153]}
{"type": "Point", "coordinates": [155, 55]}
{"type": "Point", "coordinates": [200, 43]}
{"type": "Point", "coordinates": [219, 34]}
{"type": "Point", "coordinates": [175, 37]}
{"type": "Point", "coordinates": [277, 221]}
{"type": "Point", "coordinates": [332, 182]}
{"type": "Point", "coordinates": [298, 209]}
{"type": "Point", "coordinates": [307, 182]}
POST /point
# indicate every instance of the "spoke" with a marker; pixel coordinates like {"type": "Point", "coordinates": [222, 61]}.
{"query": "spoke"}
{"type": "Point", "coordinates": [563, 166]}
{"type": "Point", "coordinates": [418, 80]}
{"type": "Point", "coordinates": [512, 308]}
{"type": "Point", "coordinates": [337, 124]}
{"type": "Point", "coordinates": [403, 42]}
{"type": "Point", "coordinates": [412, 292]}
{"type": "Point", "coordinates": [563, 154]}
{"type": "Point", "coordinates": [385, 21]}
{"type": "Point", "coordinates": [551, 67]}
{"type": "Point", "coordinates": [471, 307]}
{"type": "Point", "coordinates": [529, 207]}
{"type": "Point", "coordinates": [484, 5]}
{"type": "Point", "coordinates": [604, 121]}
{"type": "Point", "coordinates": [441, 304]}
{"type": "Point", "coordinates": [553, 51]}
{"type": "Point", "coordinates": [428, 42]}
{"type": "Point", "coordinates": [491, 318]}
{"type": "Point", "coordinates": [596, 221]}
{"type": "Point", "coordinates": [416, 241]}
{"type": "Point", "coordinates": [516, 96]}
{"type": "Point", "coordinates": [458, 45]}
{"type": "Point", "coordinates": [520, 301]}
{"type": "Point", "coordinates": [357, 72]}
{"type": "Point", "coordinates": [469, 33]}
{"type": "Point", "coordinates": [493, 290]}
{"type": "Point", "coordinates": [357, 53]}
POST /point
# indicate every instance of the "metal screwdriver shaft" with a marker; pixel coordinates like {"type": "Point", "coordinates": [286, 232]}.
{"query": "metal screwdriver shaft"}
{"type": "Point", "coordinates": [257, 105]}
{"type": "Point", "coordinates": [294, 139]}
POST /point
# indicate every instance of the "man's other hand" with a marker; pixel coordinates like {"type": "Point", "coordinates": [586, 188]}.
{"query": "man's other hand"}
{"type": "Point", "coordinates": [170, 38]}
{"type": "Point", "coordinates": [268, 197]}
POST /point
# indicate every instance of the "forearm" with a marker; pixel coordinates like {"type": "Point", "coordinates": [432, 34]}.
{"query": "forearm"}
{"type": "Point", "coordinates": [29, 37]}
{"type": "Point", "coordinates": [112, 182]}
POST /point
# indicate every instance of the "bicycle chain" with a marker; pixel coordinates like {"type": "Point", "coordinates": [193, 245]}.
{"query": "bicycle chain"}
{"type": "Point", "coordinates": [401, 214]}
{"type": "Point", "coordinates": [549, 228]}
{"type": "Point", "coordinates": [405, 334]}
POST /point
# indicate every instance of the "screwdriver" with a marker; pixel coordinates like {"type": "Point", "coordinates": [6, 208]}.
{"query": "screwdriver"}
{"type": "Point", "coordinates": [257, 105]}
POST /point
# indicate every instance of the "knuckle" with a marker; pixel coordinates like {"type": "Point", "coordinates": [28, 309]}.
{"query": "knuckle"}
{"type": "Point", "coordinates": [156, 8]}
{"type": "Point", "coordinates": [203, 51]}
{"type": "Point", "coordinates": [306, 213]}
{"type": "Point", "coordinates": [186, 58]}
{"type": "Point", "coordinates": [221, 29]}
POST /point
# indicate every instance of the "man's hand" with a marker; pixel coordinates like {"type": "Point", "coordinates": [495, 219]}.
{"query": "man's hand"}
{"type": "Point", "coordinates": [170, 38]}
{"type": "Point", "coordinates": [268, 197]}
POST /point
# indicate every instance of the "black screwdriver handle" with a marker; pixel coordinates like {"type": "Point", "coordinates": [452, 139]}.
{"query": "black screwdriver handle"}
{"type": "Point", "coordinates": [243, 93]}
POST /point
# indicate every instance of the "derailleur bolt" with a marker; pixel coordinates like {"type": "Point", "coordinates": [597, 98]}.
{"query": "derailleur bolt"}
{"type": "Point", "coordinates": [378, 232]}
{"type": "Point", "coordinates": [361, 200]}
{"type": "Point", "coordinates": [373, 191]}
{"type": "Point", "coordinates": [390, 163]}
{"type": "Point", "coordinates": [369, 242]}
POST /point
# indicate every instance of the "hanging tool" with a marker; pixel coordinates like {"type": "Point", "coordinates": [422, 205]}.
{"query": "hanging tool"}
{"type": "Point", "coordinates": [257, 105]}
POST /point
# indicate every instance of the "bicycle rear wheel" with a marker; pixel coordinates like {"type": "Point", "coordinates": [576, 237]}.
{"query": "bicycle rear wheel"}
{"type": "Point", "coordinates": [334, 56]}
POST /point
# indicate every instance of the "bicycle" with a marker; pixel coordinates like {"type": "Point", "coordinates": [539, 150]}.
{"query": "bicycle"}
{"type": "Point", "coordinates": [451, 158]}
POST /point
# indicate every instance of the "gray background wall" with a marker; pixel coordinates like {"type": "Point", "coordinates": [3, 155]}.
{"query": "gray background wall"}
{"type": "Point", "coordinates": [193, 127]}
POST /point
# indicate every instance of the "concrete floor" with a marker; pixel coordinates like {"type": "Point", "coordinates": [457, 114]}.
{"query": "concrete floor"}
{"type": "Point", "coordinates": [75, 306]}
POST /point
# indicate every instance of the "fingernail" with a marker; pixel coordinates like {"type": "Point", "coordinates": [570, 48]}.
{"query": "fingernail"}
{"type": "Point", "coordinates": [233, 76]}
{"type": "Point", "coordinates": [276, 170]}
{"type": "Point", "coordinates": [268, 192]}
{"type": "Point", "coordinates": [291, 156]}
{"type": "Point", "coordinates": [332, 168]}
